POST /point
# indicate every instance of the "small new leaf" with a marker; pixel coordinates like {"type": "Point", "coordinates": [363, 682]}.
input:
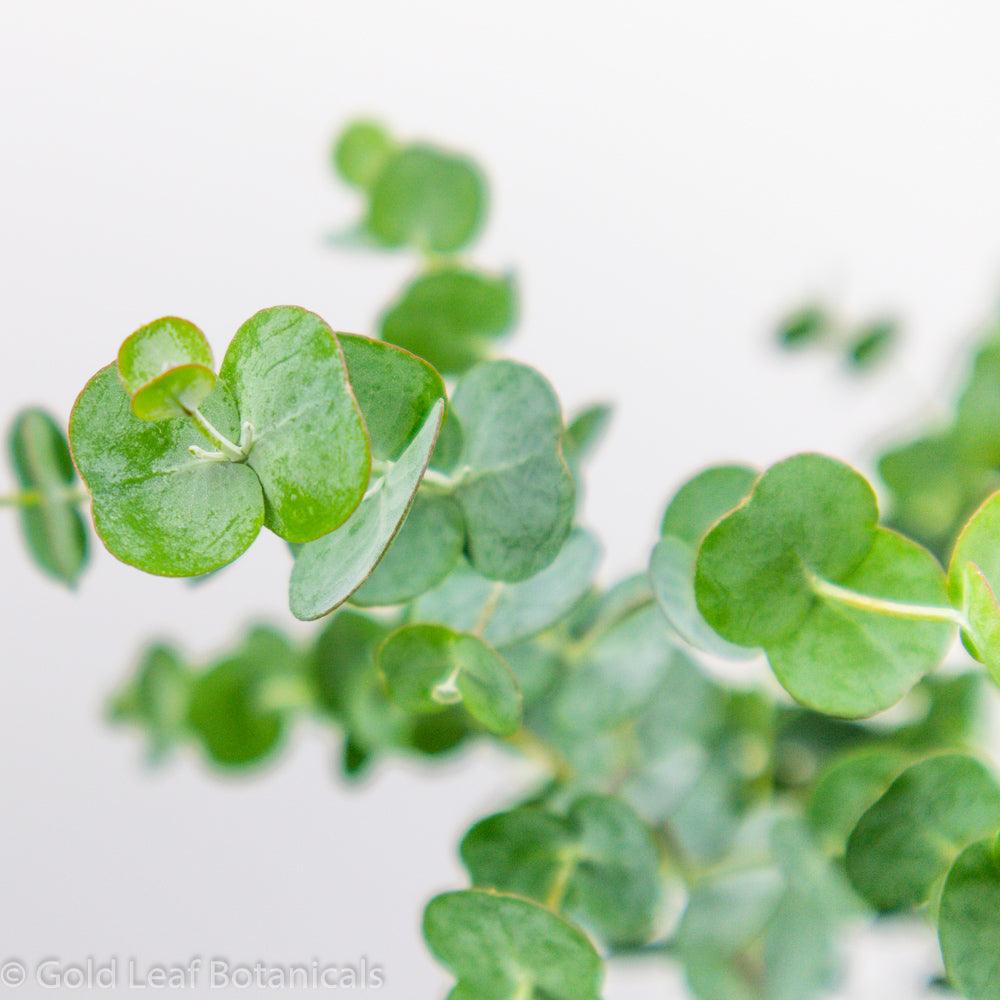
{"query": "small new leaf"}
{"type": "Point", "coordinates": [428, 667]}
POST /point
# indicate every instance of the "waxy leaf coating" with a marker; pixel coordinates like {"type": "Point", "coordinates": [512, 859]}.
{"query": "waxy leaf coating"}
{"type": "Point", "coordinates": [427, 199]}
{"type": "Point", "coordinates": [502, 947]}
{"type": "Point", "coordinates": [790, 570]}
{"type": "Point", "coordinates": [429, 667]}
{"type": "Point", "coordinates": [394, 388]}
{"type": "Point", "coordinates": [330, 569]}
{"type": "Point", "coordinates": [509, 612]}
{"type": "Point", "coordinates": [598, 864]}
{"type": "Point", "coordinates": [513, 483]}
{"type": "Point", "coordinates": [451, 316]}
{"type": "Point", "coordinates": [968, 928]}
{"type": "Point", "coordinates": [167, 368]}
{"type": "Point", "coordinates": [156, 506]}
{"type": "Point", "coordinates": [51, 523]}
{"type": "Point", "coordinates": [310, 450]}
{"type": "Point", "coordinates": [426, 550]}
{"type": "Point", "coordinates": [908, 839]}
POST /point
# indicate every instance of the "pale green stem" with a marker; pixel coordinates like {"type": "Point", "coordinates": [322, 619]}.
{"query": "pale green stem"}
{"type": "Point", "coordinates": [228, 451]}
{"type": "Point", "coordinates": [881, 606]}
{"type": "Point", "coordinates": [433, 479]}
{"type": "Point", "coordinates": [560, 882]}
{"type": "Point", "coordinates": [489, 607]}
{"type": "Point", "coordinates": [447, 693]}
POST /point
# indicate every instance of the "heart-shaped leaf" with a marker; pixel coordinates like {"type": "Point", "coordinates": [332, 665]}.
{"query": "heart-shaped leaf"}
{"type": "Point", "coordinates": [328, 570]}
{"type": "Point", "coordinates": [167, 368]}
{"type": "Point", "coordinates": [53, 527]}
{"type": "Point", "coordinates": [850, 616]}
{"type": "Point", "coordinates": [598, 865]}
{"type": "Point", "coordinates": [509, 612]}
{"type": "Point", "coordinates": [503, 947]}
{"type": "Point", "coordinates": [909, 838]}
{"type": "Point", "coordinates": [309, 448]}
{"type": "Point", "coordinates": [427, 199]}
{"type": "Point", "coordinates": [513, 483]}
{"type": "Point", "coordinates": [155, 505]}
{"type": "Point", "coordinates": [451, 316]}
{"type": "Point", "coordinates": [429, 667]}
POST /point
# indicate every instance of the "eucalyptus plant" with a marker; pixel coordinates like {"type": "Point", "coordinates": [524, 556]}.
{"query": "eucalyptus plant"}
{"type": "Point", "coordinates": [429, 493]}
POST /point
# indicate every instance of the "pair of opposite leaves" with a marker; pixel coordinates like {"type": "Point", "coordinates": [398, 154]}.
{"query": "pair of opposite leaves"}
{"type": "Point", "coordinates": [298, 414]}
{"type": "Point", "coordinates": [926, 835]}
{"type": "Point", "coordinates": [850, 615]}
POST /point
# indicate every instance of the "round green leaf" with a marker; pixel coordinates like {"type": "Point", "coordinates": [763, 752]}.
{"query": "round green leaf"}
{"type": "Point", "coordinates": [502, 947]}
{"type": "Point", "coordinates": [850, 616]}
{"type": "Point", "coordinates": [52, 525]}
{"type": "Point", "coordinates": [228, 710]}
{"type": "Point", "coordinates": [427, 199]}
{"type": "Point", "coordinates": [361, 152]}
{"type": "Point", "coordinates": [514, 486]}
{"type": "Point", "coordinates": [703, 499]}
{"type": "Point", "coordinates": [310, 449]}
{"type": "Point", "coordinates": [598, 865]}
{"type": "Point", "coordinates": [852, 663]}
{"type": "Point", "coordinates": [510, 612]}
{"type": "Point", "coordinates": [395, 390]}
{"type": "Point", "coordinates": [328, 570]}
{"type": "Point", "coordinates": [428, 667]}
{"type": "Point", "coordinates": [808, 512]}
{"type": "Point", "coordinates": [167, 368]}
{"type": "Point", "coordinates": [451, 316]}
{"type": "Point", "coordinates": [968, 927]}
{"type": "Point", "coordinates": [909, 838]}
{"type": "Point", "coordinates": [425, 551]}
{"type": "Point", "coordinates": [155, 506]}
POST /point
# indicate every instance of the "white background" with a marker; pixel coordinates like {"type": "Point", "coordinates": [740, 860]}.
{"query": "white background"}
{"type": "Point", "coordinates": [667, 178]}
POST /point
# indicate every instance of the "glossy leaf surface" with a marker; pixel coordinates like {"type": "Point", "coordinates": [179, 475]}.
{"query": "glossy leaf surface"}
{"type": "Point", "coordinates": [155, 505]}
{"type": "Point", "coordinates": [310, 448]}
{"type": "Point", "coordinates": [167, 368]}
